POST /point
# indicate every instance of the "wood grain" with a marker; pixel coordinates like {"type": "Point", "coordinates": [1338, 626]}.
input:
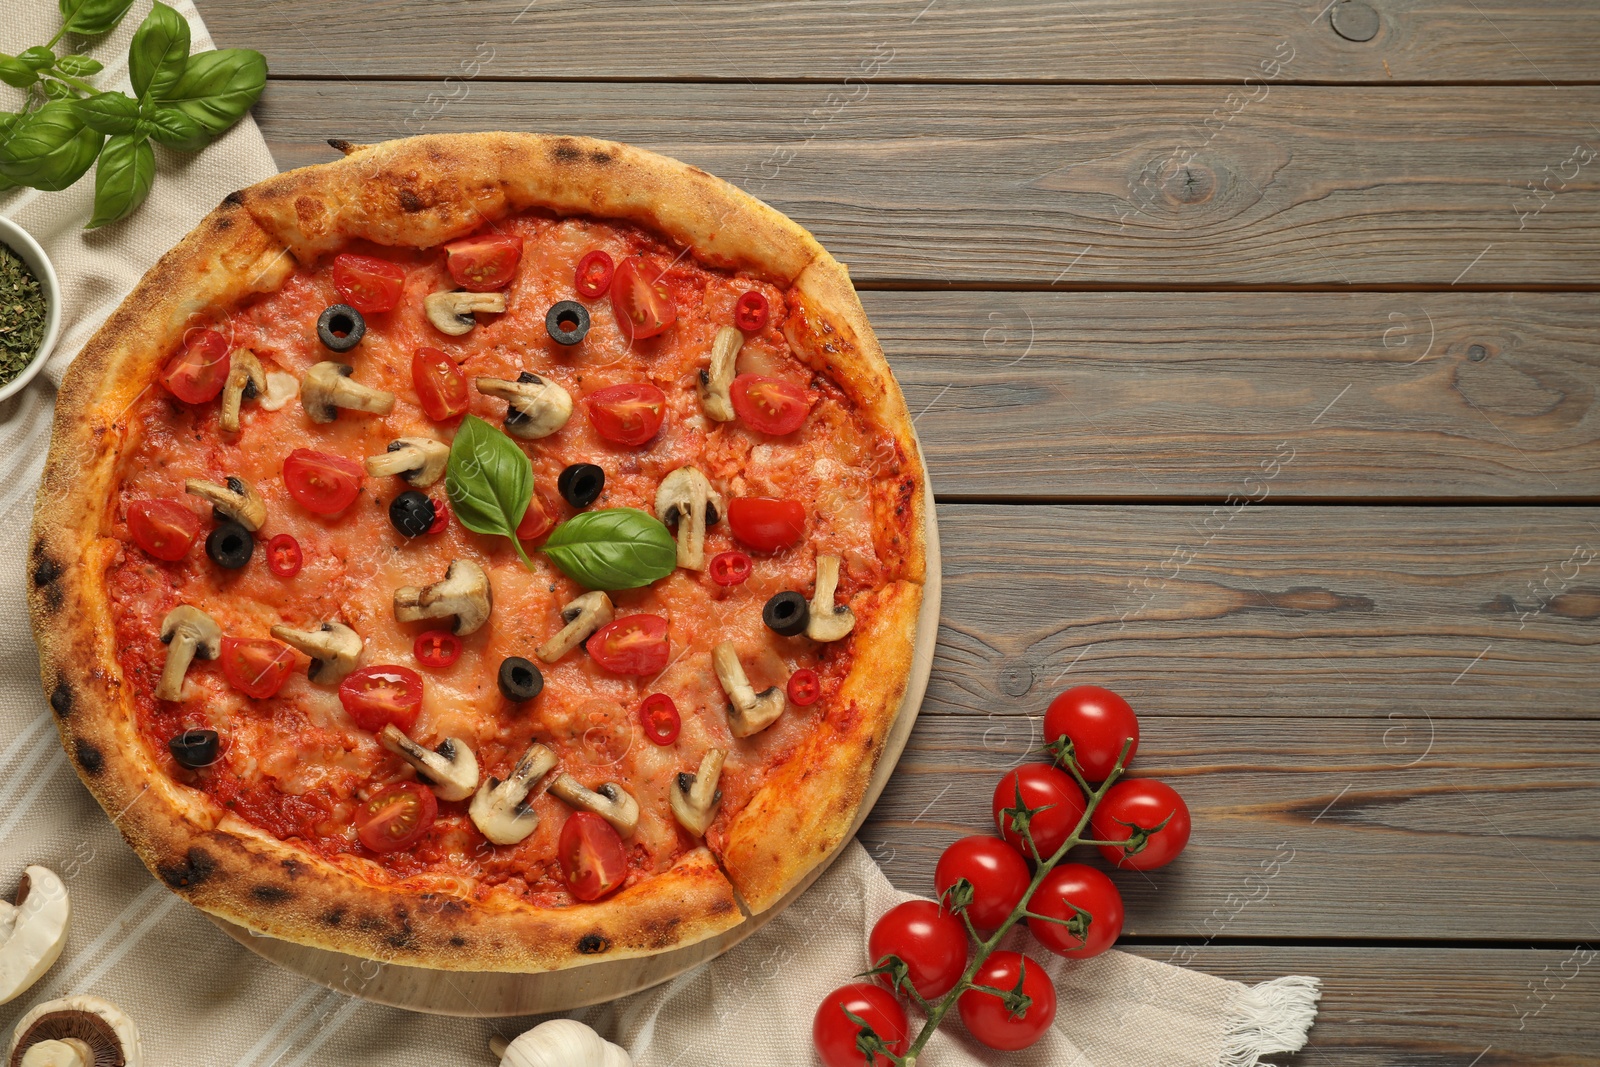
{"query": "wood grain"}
{"type": "Point", "coordinates": [1131, 187]}
{"type": "Point", "coordinates": [1312, 612]}
{"type": "Point", "coordinates": [1018, 40]}
{"type": "Point", "coordinates": [1380, 829]}
{"type": "Point", "coordinates": [1132, 395]}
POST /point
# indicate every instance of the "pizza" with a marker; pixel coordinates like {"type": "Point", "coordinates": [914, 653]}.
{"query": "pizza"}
{"type": "Point", "coordinates": [483, 552]}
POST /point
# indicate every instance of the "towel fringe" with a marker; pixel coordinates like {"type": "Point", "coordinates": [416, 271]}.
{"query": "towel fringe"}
{"type": "Point", "coordinates": [1271, 1017]}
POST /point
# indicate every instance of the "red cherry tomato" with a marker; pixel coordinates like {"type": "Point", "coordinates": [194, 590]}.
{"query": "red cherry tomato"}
{"type": "Point", "coordinates": [1064, 890]}
{"type": "Point", "coordinates": [321, 482]}
{"type": "Point", "coordinates": [540, 518]}
{"type": "Point", "coordinates": [256, 668]}
{"type": "Point", "coordinates": [750, 312]}
{"type": "Point", "coordinates": [284, 557]}
{"type": "Point", "coordinates": [766, 524]}
{"type": "Point", "coordinates": [593, 276]}
{"type": "Point", "coordinates": [769, 404]}
{"type": "Point", "coordinates": [931, 942]}
{"type": "Point", "coordinates": [482, 264]}
{"type": "Point", "coordinates": [834, 1034]}
{"type": "Point", "coordinates": [729, 568]}
{"type": "Point", "coordinates": [397, 817]}
{"type": "Point", "coordinates": [660, 718]}
{"type": "Point", "coordinates": [200, 369]}
{"type": "Point", "coordinates": [441, 514]}
{"type": "Point", "coordinates": [1097, 722]}
{"type": "Point", "coordinates": [592, 856]}
{"type": "Point", "coordinates": [164, 528]}
{"type": "Point", "coordinates": [628, 414]}
{"type": "Point", "coordinates": [640, 300]}
{"type": "Point", "coordinates": [997, 872]}
{"type": "Point", "coordinates": [367, 283]}
{"type": "Point", "coordinates": [1131, 811]}
{"type": "Point", "coordinates": [804, 687]}
{"type": "Point", "coordinates": [989, 1020]}
{"type": "Point", "coordinates": [436, 648]}
{"type": "Point", "coordinates": [633, 644]}
{"type": "Point", "coordinates": [440, 385]}
{"type": "Point", "coordinates": [382, 694]}
{"type": "Point", "coordinates": [1042, 786]}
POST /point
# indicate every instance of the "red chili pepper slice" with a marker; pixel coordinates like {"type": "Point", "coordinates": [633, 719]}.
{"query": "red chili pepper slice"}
{"type": "Point", "coordinates": [441, 514]}
{"type": "Point", "coordinates": [751, 312]}
{"type": "Point", "coordinates": [594, 274]}
{"type": "Point", "coordinates": [660, 718]}
{"type": "Point", "coordinates": [284, 557]}
{"type": "Point", "coordinates": [436, 648]}
{"type": "Point", "coordinates": [730, 568]}
{"type": "Point", "coordinates": [804, 686]}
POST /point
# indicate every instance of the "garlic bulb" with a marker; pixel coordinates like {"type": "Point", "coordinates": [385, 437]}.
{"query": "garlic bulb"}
{"type": "Point", "coordinates": [563, 1043]}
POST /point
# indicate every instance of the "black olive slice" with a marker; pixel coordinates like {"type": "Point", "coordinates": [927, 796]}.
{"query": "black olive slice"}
{"type": "Point", "coordinates": [567, 322]}
{"type": "Point", "coordinates": [341, 327]}
{"type": "Point", "coordinates": [230, 545]}
{"type": "Point", "coordinates": [580, 484]}
{"type": "Point", "coordinates": [786, 613]}
{"type": "Point", "coordinates": [194, 748]}
{"type": "Point", "coordinates": [519, 679]}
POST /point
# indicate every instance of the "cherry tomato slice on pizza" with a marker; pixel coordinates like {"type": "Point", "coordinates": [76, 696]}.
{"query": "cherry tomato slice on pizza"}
{"type": "Point", "coordinates": [382, 694]}
{"type": "Point", "coordinates": [770, 405]}
{"type": "Point", "coordinates": [284, 557]}
{"type": "Point", "coordinates": [750, 311]}
{"type": "Point", "coordinates": [729, 568]}
{"type": "Point", "coordinates": [483, 264]}
{"type": "Point", "coordinates": [320, 482]}
{"type": "Point", "coordinates": [436, 648]}
{"type": "Point", "coordinates": [766, 524]}
{"type": "Point", "coordinates": [593, 276]}
{"type": "Point", "coordinates": [627, 414]}
{"type": "Point", "coordinates": [367, 283]}
{"type": "Point", "coordinates": [640, 300]}
{"type": "Point", "coordinates": [592, 856]}
{"type": "Point", "coordinates": [256, 668]}
{"type": "Point", "coordinates": [200, 369]}
{"type": "Point", "coordinates": [804, 687]}
{"type": "Point", "coordinates": [633, 644]}
{"type": "Point", "coordinates": [659, 716]}
{"type": "Point", "coordinates": [440, 385]}
{"type": "Point", "coordinates": [541, 516]}
{"type": "Point", "coordinates": [164, 528]}
{"type": "Point", "coordinates": [396, 817]}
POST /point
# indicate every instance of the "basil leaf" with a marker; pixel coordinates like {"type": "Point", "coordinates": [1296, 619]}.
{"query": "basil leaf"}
{"type": "Point", "coordinates": [489, 481]}
{"type": "Point", "coordinates": [159, 52]}
{"type": "Point", "coordinates": [79, 66]}
{"type": "Point", "coordinates": [614, 548]}
{"type": "Point", "coordinates": [109, 112]}
{"type": "Point", "coordinates": [38, 57]}
{"type": "Point", "coordinates": [217, 88]}
{"type": "Point", "coordinates": [14, 72]}
{"type": "Point", "coordinates": [122, 181]}
{"type": "Point", "coordinates": [50, 148]}
{"type": "Point", "coordinates": [93, 17]}
{"type": "Point", "coordinates": [171, 127]}
{"type": "Point", "coordinates": [57, 91]}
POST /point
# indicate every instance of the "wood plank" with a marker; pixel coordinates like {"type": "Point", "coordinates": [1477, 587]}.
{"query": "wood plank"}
{"type": "Point", "coordinates": [1083, 186]}
{"type": "Point", "coordinates": [1018, 40]}
{"type": "Point", "coordinates": [1303, 828]}
{"type": "Point", "coordinates": [1132, 395]}
{"type": "Point", "coordinates": [1313, 612]}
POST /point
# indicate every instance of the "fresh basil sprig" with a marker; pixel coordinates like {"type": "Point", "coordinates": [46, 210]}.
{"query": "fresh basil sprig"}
{"type": "Point", "coordinates": [614, 548]}
{"type": "Point", "coordinates": [181, 101]}
{"type": "Point", "coordinates": [489, 481]}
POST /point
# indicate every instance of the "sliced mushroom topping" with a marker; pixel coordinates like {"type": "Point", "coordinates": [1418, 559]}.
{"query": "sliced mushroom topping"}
{"type": "Point", "coordinates": [76, 1032]}
{"type": "Point", "coordinates": [716, 378]}
{"type": "Point", "coordinates": [687, 500]}
{"type": "Point", "coordinates": [187, 632]}
{"type": "Point", "coordinates": [282, 387]}
{"type": "Point", "coordinates": [828, 621]}
{"type": "Point", "coordinates": [695, 797]}
{"type": "Point", "coordinates": [327, 388]}
{"type": "Point", "coordinates": [333, 648]}
{"type": "Point", "coordinates": [451, 769]}
{"type": "Point", "coordinates": [421, 461]}
{"type": "Point", "coordinates": [537, 407]}
{"type": "Point", "coordinates": [749, 712]}
{"type": "Point", "coordinates": [33, 931]}
{"type": "Point", "coordinates": [463, 592]}
{"type": "Point", "coordinates": [583, 616]}
{"type": "Point", "coordinates": [455, 313]}
{"type": "Point", "coordinates": [246, 381]}
{"type": "Point", "coordinates": [501, 809]}
{"type": "Point", "coordinates": [238, 500]}
{"type": "Point", "coordinates": [611, 802]}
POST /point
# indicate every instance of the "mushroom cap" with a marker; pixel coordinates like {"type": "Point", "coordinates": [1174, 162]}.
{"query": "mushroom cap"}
{"type": "Point", "coordinates": [500, 808]}
{"type": "Point", "coordinates": [682, 490]}
{"type": "Point", "coordinates": [537, 407]}
{"type": "Point", "coordinates": [245, 380]}
{"type": "Point", "coordinates": [464, 592]}
{"type": "Point", "coordinates": [583, 616]}
{"type": "Point", "coordinates": [110, 1035]}
{"type": "Point", "coordinates": [33, 932]}
{"type": "Point", "coordinates": [694, 798]}
{"type": "Point", "coordinates": [188, 621]}
{"type": "Point", "coordinates": [237, 500]}
{"type": "Point", "coordinates": [611, 802]}
{"type": "Point", "coordinates": [420, 461]}
{"type": "Point", "coordinates": [333, 647]}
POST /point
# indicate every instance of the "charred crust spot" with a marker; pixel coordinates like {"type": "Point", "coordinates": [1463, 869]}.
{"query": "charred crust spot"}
{"type": "Point", "coordinates": [45, 567]}
{"type": "Point", "coordinates": [333, 918]}
{"type": "Point", "coordinates": [61, 698]}
{"type": "Point", "coordinates": [370, 924]}
{"type": "Point", "coordinates": [89, 757]}
{"type": "Point", "coordinates": [566, 152]}
{"type": "Point", "coordinates": [593, 944]}
{"type": "Point", "coordinates": [404, 939]}
{"type": "Point", "coordinates": [291, 867]}
{"type": "Point", "coordinates": [722, 907]}
{"type": "Point", "coordinates": [236, 198]}
{"type": "Point", "coordinates": [223, 224]}
{"type": "Point", "coordinates": [338, 144]}
{"type": "Point", "coordinates": [602, 158]}
{"type": "Point", "coordinates": [196, 868]}
{"type": "Point", "coordinates": [458, 941]}
{"type": "Point", "coordinates": [270, 894]}
{"type": "Point", "coordinates": [410, 201]}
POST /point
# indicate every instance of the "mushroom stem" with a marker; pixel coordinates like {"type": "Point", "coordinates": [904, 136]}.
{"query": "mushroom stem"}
{"type": "Point", "coordinates": [451, 769]}
{"type": "Point", "coordinates": [611, 802]}
{"type": "Point", "coordinates": [463, 592]}
{"type": "Point", "coordinates": [827, 621]}
{"type": "Point", "coordinates": [65, 1052]}
{"type": "Point", "coordinates": [420, 461]}
{"type": "Point", "coordinates": [246, 381]}
{"type": "Point", "coordinates": [695, 797]}
{"type": "Point", "coordinates": [188, 632]}
{"type": "Point", "coordinates": [238, 500]}
{"type": "Point", "coordinates": [500, 808]}
{"type": "Point", "coordinates": [687, 499]}
{"type": "Point", "coordinates": [327, 388]}
{"type": "Point", "coordinates": [453, 313]}
{"type": "Point", "coordinates": [333, 648]}
{"type": "Point", "coordinates": [716, 378]}
{"type": "Point", "coordinates": [749, 712]}
{"type": "Point", "coordinates": [583, 616]}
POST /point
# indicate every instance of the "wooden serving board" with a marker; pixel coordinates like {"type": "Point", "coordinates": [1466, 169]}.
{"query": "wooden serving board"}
{"type": "Point", "coordinates": [492, 994]}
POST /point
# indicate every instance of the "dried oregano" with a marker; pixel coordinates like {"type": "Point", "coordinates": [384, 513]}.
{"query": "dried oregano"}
{"type": "Point", "coordinates": [22, 314]}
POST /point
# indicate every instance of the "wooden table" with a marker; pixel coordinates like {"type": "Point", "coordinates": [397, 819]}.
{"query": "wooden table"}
{"type": "Point", "coordinates": [1254, 351]}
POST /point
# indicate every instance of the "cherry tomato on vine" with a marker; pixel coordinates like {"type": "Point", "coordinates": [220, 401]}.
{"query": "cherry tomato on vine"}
{"type": "Point", "coordinates": [659, 716]}
{"type": "Point", "coordinates": [367, 283]}
{"type": "Point", "coordinates": [396, 817]}
{"type": "Point", "coordinates": [320, 482]}
{"type": "Point", "coordinates": [769, 405]}
{"type": "Point", "coordinates": [804, 687]}
{"type": "Point", "coordinates": [931, 942]}
{"type": "Point", "coordinates": [1147, 814]}
{"type": "Point", "coordinates": [592, 856]}
{"type": "Point", "coordinates": [750, 311]}
{"type": "Point", "coordinates": [1042, 786]}
{"type": "Point", "coordinates": [633, 644]}
{"type": "Point", "coordinates": [765, 523]}
{"type": "Point", "coordinates": [997, 872]}
{"type": "Point", "coordinates": [627, 414]}
{"type": "Point", "coordinates": [256, 668]}
{"type": "Point", "coordinates": [440, 385]}
{"type": "Point", "coordinates": [834, 1034]}
{"type": "Point", "coordinates": [382, 694]}
{"type": "Point", "coordinates": [200, 369]}
{"type": "Point", "coordinates": [284, 557]}
{"type": "Point", "coordinates": [593, 276]}
{"type": "Point", "coordinates": [1098, 723]}
{"type": "Point", "coordinates": [482, 264]}
{"type": "Point", "coordinates": [164, 528]}
{"type": "Point", "coordinates": [989, 1019]}
{"type": "Point", "coordinates": [436, 648]}
{"type": "Point", "coordinates": [640, 300]}
{"type": "Point", "coordinates": [729, 568]}
{"type": "Point", "coordinates": [1065, 889]}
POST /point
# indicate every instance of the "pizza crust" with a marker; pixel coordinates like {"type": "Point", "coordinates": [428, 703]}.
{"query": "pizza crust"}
{"type": "Point", "coordinates": [422, 191]}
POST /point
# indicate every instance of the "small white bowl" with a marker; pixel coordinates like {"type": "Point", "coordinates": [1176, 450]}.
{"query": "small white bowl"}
{"type": "Point", "coordinates": [22, 243]}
